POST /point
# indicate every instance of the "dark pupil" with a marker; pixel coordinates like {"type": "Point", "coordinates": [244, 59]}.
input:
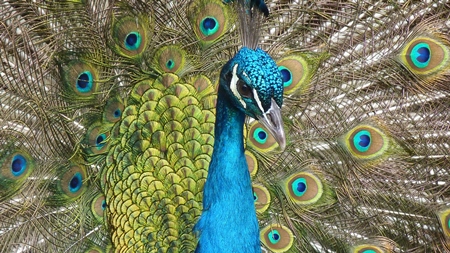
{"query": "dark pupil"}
{"type": "Point", "coordinates": [276, 236]}
{"type": "Point", "coordinates": [424, 54]}
{"type": "Point", "coordinates": [83, 80]}
{"type": "Point", "coordinates": [301, 187]}
{"type": "Point", "coordinates": [262, 135]}
{"type": "Point", "coordinates": [285, 75]}
{"type": "Point", "coordinates": [131, 39]}
{"type": "Point", "coordinates": [74, 182]}
{"type": "Point", "coordinates": [100, 139]}
{"type": "Point", "coordinates": [364, 140]}
{"type": "Point", "coordinates": [117, 113]}
{"type": "Point", "coordinates": [17, 165]}
{"type": "Point", "coordinates": [244, 89]}
{"type": "Point", "coordinates": [170, 64]}
{"type": "Point", "coordinates": [209, 23]}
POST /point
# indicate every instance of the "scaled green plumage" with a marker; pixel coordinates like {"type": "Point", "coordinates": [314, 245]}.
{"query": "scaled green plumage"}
{"type": "Point", "coordinates": [107, 112]}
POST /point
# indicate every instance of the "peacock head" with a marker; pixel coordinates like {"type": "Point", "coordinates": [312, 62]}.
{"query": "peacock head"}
{"type": "Point", "coordinates": [254, 84]}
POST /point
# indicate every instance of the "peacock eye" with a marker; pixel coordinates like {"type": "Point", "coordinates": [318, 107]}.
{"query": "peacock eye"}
{"type": "Point", "coordinates": [244, 89]}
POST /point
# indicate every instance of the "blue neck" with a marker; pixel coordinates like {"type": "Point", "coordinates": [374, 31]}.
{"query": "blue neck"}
{"type": "Point", "coordinates": [228, 222]}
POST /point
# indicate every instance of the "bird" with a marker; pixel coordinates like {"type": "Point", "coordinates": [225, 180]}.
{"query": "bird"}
{"type": "Point", "coordinates": [224, 126]}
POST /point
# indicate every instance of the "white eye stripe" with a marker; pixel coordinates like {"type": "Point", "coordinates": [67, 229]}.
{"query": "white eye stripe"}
{"type": "Point", "coordinates": [233, 86]}
{"type": "Point", "coordinates": [258, 101]}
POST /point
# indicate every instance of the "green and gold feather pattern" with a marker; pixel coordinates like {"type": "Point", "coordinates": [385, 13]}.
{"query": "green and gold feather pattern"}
{"type": "Point", "coordinates": [107, 113]}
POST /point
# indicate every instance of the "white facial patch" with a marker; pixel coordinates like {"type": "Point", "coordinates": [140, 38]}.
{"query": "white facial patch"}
{"type": "Point", "coordinates": [233, 86]}
{"type": "Point", "coordinates": [258, 101]}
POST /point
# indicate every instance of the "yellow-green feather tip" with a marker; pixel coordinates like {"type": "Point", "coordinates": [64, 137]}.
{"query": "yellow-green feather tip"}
{"type": "Point", "coordinates": [297, 71]}
{"type": "Point", "coordinates": [131, 35]}
{"type": "Point", "coordinates": [277, 238]}
{"type": "Point", "coordinates": [427, 57]}
{"type": "Point", "coordinates": [209, 19]}
{"type": "Point", "coordinates": [262, 198]}
{"type": "Point", "coordinates": [303, 188]}
{"type": "Point", "coordinates": [366, 142]}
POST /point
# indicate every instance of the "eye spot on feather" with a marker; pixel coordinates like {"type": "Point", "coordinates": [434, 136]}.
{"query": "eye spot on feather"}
{"type": "Point", "coordinates": [76, 182]}
{"type": "Point", "coordinates": [209, 26]}
{"type": "Point", "coordinates": [365, 142]}
{"type": "Point", "coordinates": [117, 113]}
{"type": "Point", "coordinates": [444, 218]}
{"type": "Point", "coordinates": [97, 140]}
{"type": "Point", "coordinates": [277, 238]}
{"type": "Point", "coordinates": [362, 140]}
{"type": "Point", "coordinates": [261, 198]}
{"type": "Point", "coordinates": [170, 64]}
{"type": "Point", "coordinates": [286, 75]}
{"type": "Point", "coordinates": [303, 188]}
{"type": "Point", "coordinates": [209, 20]}
{"type": "Point", "coordinates": [18, 165]}
{"type": "Point", "coordinates": [100, 141]}
{"type": "Point", "coordinates": [84, 82]}
{"type": "Point", "coordinates": [421, 55]}
{"type": "Point", "coordinates": [113, 110]}
{"type": "Point", "coordinates": [260, 135]}
{"type": "Point", "coordinates": [130, 36]}
{"type": "Point", "coordinates": [98, 207]}
{"type": "Point", "coordinates": [296, 71]}
{"type": "Point", "coordinates": [367, 248]}
{"type": "Point", "coordinates": [299, 186]}
{"type": "Point", "coordinates": [426, 57]}
{"type": "Point", "coordinates": [170, 59]}
{"type": "Point", "coordinates": [15, 165]}
{"type": "Point", "coordinates": [71, 182]}
{"type": "Point", "coordinates": [260, 139]}
{"type": "Point", "coordinates": [133, 41]}
{"type": "Point", "coordinates": [274, 236]}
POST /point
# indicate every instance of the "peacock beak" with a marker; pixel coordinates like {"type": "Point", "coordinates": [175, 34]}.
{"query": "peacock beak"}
{"type": "Point", "coordinates": [272, 120]}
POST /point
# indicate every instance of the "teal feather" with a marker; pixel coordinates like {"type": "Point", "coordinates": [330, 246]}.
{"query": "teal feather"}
{"type": "Point", "coordinates": [154, 126]}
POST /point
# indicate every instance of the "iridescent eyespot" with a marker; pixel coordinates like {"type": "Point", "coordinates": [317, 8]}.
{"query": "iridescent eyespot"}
{"type": "Point", "coordinates": [84, 82]}
{"type": "Point", "coordinates": [260, 138]}
{"type": "Point", "coordinates": [286, 75]}
{"type": "Point", "coordinates": [170, 59]}
{"type": "Point", "coordinates": [130, 36]}
{"type": "Point", "coordinates": [80, 79]}
{"type": "Point", "coordinates": [133, 40]}
{"type": "Point", "coordinates": [72, 181]}
{"type": "Point", "coordinates": [209, 26]}
{"type": "Point", "coordinates": [209, 19]}
{"type": "Point", "coordinates": [426, 57]}
{"type": "Point", "coordinates": [18, 165]}
{"type": "Point", "coordinates": [277, 238]}
{"type": "Point", "coordinates": [261, 197]}
{"type": "Point", "coordinates": [296, 71]}
{"type": "Point", "coordinates": [444, 218]}
{"type": "Point", "coordinates": [421, 55]}
{"type": "Point", "coordinates": [15, 167]}
{"type": "Point", "coordinates": [367, 248]}
{"type": "Point", "coordinates": [98, 206]}
{"type": "Point", "coordinates": [97, 139]}
{"type": "Point", "coordinates": [75, 182]}
{"type": "Point", "coordinates": [303, 188]}
{"type": "Point", "coordinates": [365, 142]}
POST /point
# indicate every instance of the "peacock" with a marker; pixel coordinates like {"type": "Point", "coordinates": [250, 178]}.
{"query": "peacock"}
{"type": "Point", "coordinates": [224, 126]}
